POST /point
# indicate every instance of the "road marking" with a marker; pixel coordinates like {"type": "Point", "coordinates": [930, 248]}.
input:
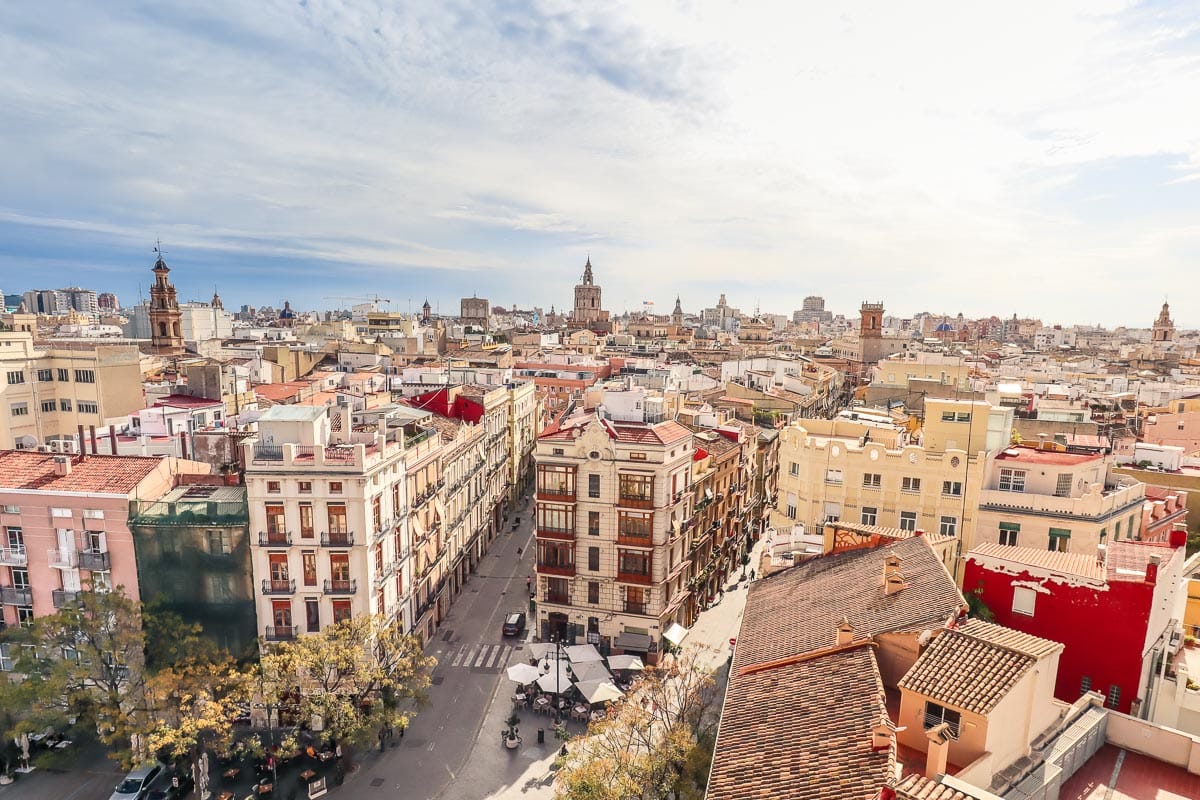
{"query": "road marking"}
{"type": "Point", "coordinates": [431, 746]}
{"type": "Point", "coordinates": [458, 659]}
{"type": "Point", "coordinates": [501, 656]}
{"type": "Point", "coordinates": [483, 655]}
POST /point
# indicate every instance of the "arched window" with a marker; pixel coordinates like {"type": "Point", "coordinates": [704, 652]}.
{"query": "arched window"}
{"type": "Point", "coordinates": [162, 329]}
{"type": "Point", "coordinates": [175, 329]}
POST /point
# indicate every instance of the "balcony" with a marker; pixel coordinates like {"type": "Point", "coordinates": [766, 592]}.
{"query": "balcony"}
{"type": "Point", "coordinates": [280, 634]}
{"type": "Point", "coordinates": [634, 577]}
{"type": "Point", "coordinates": [561, 598]}
{"type": "Point", "coordinates": [14, 556]}
{"type": "Point", "coordinates": [1094, 504]}
{"type": "Point", "coordinates": [561, 534]}
{"type": "Point", "coordinates": [62, 598]}
{"type": "Point", "coordinates": [274, 538]}
{"type": "Point", "coordinates": [634, 608]}
{"type": "Point", "coordinates": [635, 501]}
{"type": "Point", "coordinates": [635, 540]}
{"type": "Point", "coordinates": [267, 453]}
{"type": "Point", "coordinates": [61, 559]}
{"type": "Point", "coordinates": [95, 560]}
{"type": "Point", "coordinates": [337, 539]}
{"type": "Point", "coordinates": [341, 586]}
{"type": "Point", "coordinates": [559, 495]}
{"type": "Point", "coordinates": [16, 595]}
{"type": "Point", "coordinates": [279, 586]}
{"type": "Point", "coordinates": [565, 570]}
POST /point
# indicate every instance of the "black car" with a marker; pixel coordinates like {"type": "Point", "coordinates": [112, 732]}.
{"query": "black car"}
{"type": "Point", "coordinates": [514, 624]}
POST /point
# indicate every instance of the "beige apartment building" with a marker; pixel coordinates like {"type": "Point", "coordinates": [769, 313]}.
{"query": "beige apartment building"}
{"type": "Point", "coordinates": [524, 425]}
{"type": "Point", "coordinates": [47, 392]}
{"type": "Point", "coordinates": [884, 475]}
{"type": "Point", "coordinates": [328, 511]}
{"type": "Point", "coordinates": [1068, 502]}
{"type": "Point", "coordinates": [613, 498]}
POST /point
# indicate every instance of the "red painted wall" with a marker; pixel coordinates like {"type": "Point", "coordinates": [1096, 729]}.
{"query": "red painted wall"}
{"type": "Point", "coordinates": [1103, 631]}
{"type": "Point", "coordinates": [438, 401]}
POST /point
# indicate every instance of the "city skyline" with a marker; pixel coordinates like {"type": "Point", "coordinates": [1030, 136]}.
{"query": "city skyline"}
{"type": "Point", "coordinates": [1040, 161]}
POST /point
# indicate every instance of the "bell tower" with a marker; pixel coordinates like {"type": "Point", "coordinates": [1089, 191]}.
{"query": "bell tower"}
{"type": "Point", "coordinates": [166, 334]}
{"type": "Point", "coordinates": [1164, 327]}
{"type": "Point", "coordinates": [871, 325]}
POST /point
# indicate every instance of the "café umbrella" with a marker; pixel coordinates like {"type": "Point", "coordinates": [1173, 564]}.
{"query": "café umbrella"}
{"type": "Point", "coordinates": [524, 673]}
{"type": "Point", "coordinates": [625, 662]}
{"type": "Point", "coordinates": [556, 682]}
{"type": "Point", "coordinates": [590, 671]}
{"type": "Point", "coordinates": [598, 691]}
{"type": "Point", "coordinates": [583, 653]}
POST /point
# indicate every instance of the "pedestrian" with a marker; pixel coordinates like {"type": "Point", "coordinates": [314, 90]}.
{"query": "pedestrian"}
{"type": "Point", "coordinates": [518, 552]}
{"type": "Point", "coordinates": [528, 582]}
{"type": "Point", "coordinates": [751, 576]}
{"type": "Point", "coordinates": [403, 725]}
{"type": "Point", "coordinates": [382, 736]}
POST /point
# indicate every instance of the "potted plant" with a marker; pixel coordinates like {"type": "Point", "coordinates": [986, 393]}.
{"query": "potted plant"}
{"type": "Point", "coordinates": [511, 739]}
{"type": "Point", "coordinates": [1189, 642]}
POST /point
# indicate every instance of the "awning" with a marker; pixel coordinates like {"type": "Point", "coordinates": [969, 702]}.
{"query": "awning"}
{"type": "Point", "coordinates": [675, 634]}
{"type": "Point", "coordinates": [633, 641]}
{"type": "Point", "coordinates": [439, 508]}
{"type": "Point", "coordinates": [418, 529]}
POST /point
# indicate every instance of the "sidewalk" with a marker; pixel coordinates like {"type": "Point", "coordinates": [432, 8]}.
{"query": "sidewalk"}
{"type": "Point", "coordinates": [528, 770]}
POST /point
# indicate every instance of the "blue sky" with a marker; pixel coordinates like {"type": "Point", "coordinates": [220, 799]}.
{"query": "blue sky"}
{"type": "Point", "coordinates": [1025, 157]}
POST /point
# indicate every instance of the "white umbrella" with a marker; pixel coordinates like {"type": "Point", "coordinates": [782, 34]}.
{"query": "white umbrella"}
{"type": "Point", "coordinates": [555, 682]}
{"type": "Point", "coordinates": [625, 662]}
{"type": "Point", "coordinates": [590, 671]}
{"type": "Point", "coordinates": [523, 673]}
{"type": "Point", "coordinates": [581, 653]}
{"type": "Point", "coordinates": [598, 691]}
{"type": "Point", "coordinates": [543, 650]}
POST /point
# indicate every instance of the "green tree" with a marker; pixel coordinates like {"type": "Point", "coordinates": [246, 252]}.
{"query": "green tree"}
{"type": "Point", "coordinates": [351, 679]}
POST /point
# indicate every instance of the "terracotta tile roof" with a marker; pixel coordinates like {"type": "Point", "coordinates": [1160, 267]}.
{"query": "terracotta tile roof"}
{"type": "Point", "coordinates": [1079, 564]}
{"type": "Point", "coordinates": [795, 611]}
{"type": "Point", "coordinates": [918, 787]}
{"type": "Point", "coordinates": [803, 732]}
{"type": "Point", "coordinates": [975, 667]}
{"type": "Point", "coordinates": [22, 469]}
{"type": "Point", "coordinates": [1127, 560]}
{"type": "Point", "coordinates": [662, 433]}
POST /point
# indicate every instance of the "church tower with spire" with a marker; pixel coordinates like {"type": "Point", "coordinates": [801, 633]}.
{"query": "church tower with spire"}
{"type": "Point", "coordinates": [1164, 327]}
{"type": "Point", "coordinates": [166, 334]}
{"type": "Point", "coordinates": [677, 314]}
{"type": "Point", "coordinates": [588, 312]}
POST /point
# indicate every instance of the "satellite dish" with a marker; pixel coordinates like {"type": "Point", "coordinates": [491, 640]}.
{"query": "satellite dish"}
{"type": "Point", "coordinates": [26, 442]}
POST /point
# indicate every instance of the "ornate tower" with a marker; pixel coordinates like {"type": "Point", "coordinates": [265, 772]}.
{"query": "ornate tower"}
{"type": "Point", "coordinates": [166, 334]}
{"type": "Point", "coordinates": [426, 311]}
{"type": "Point", "coordinates": [677, 314]}
{"type": "Point", "coordinates": [871, 326]}
{"type": "Point", "coordinates": [587, 300]}
{"type": "Point", "coordinates": [1164, 327]}
{"type": "Point", "coordinates": [216, 301]}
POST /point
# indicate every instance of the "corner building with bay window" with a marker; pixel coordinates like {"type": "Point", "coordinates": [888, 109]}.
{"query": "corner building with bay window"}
{"type": "Point", "coordinates": [612, 502]}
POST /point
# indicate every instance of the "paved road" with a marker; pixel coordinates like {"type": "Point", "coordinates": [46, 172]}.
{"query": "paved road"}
{"type": "Point", "coordinates": [472, 655]}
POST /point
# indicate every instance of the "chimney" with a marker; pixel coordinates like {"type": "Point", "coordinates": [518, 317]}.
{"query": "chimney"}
{"type": "Point", "coordinates": [62, 466]}
{"type": "Point", "coordinates": [939, 750]}
{"type": "Point", "coordinates": [845, 632]}
{"type": "Point", "coordinates": [881, 735]}
{"type": "Point", "coordinates": [82, 443]}
{"type": "Point", "coordinates": [92, 434]}
{"type": "Point", "coordinates": [891, 563]}
{"type": "Point", "coordinates": [1041, 441]}
{"type": "Point", "coordinates": [1152, 570]}
{"type": "Point", "coordinates": [895, 583]}
{"type": "Point", "coordinates": [112, 437]}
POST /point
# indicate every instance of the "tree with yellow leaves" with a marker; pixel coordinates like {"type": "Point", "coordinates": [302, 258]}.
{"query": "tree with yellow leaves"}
{"type": "Point", "coordinates": [349, 681]}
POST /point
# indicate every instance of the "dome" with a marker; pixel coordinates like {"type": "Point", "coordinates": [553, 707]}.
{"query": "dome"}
{"type": "Point", "coordinates": [945, 326]}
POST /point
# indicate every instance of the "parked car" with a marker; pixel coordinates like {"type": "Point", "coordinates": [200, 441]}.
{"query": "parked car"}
{"type": "Point", "coordinates": [137, 783]}
{"type": "Point", "coordinates": [514, 624]}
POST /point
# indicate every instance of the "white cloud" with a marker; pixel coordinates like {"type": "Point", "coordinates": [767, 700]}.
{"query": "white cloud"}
{"type": "Point", "coordinates": [913, 153]}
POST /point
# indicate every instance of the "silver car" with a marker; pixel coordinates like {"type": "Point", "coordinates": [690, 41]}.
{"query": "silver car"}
{"type": "Point", "coordinates": [137, 783]}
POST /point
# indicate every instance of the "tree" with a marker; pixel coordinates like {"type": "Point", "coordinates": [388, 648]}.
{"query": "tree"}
{"type": "Point", "coordinates": [350, 680]}
{"type": "Point", "coordinates": [83, 663]}
{"type": "Point", "coordinates": [647, 744]}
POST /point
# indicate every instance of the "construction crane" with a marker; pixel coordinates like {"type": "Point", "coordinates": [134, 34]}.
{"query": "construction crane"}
{"type": "Point", "coordinates": [375, 299]}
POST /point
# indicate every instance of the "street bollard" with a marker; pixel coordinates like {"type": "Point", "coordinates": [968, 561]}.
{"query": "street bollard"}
{"type": "Point", "coordinates": [541, 735]}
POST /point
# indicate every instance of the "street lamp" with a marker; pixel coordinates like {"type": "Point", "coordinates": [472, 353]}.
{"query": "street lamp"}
{"type": "Point", "coordinates": [558, 657]}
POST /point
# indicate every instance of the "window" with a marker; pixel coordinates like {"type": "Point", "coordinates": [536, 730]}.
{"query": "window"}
{"type": "Point", "coordinates": [908, 520]}
{"type": "Point", "coordinates": [335, 487]}
{"type": "Point", "coordinates": [791, 510]}
{"type": "Point", "coordinates": [278, 564]}
{"type": "Point", "coordinates": [833, 476]}
{"type": "Point", "coordinates": [962, 416]}
{"type": "Point", "coordinates": [45, 375]}
{"type": "Point", "coordinates": [793, 468]}
{"type": "Point", "coordinates": [593, 523]}
{"type": "Point", "coordinates": [281, 613]}
{"type": "Point", "coordinates": [276, 524]}
{"type": "Point", "coordinates": [273, 487]}
{"type": "Point", "coordinates": [1063, 487]}
{"type": "Point", "coordinates": [16, 540]}
{"type": "Point", "coordinates": [15, 377]}
{"type": "Point", "coordinates": [594, 559]}
{"type": "Point", "coordinates": [339, 567]}
{"type": "Point", "coordinates": [312, 615]}
{"type": "Point", "coordinates": [872, 480]}
{"type": "Point", "coordinates": [60, 512]}
{"type": "Point", "coordinates": [84, 407]}
{"type": "Point", "coordinates": [937, 714]}
{"type": "Point", "coordinates": [869, 515]}
{"type": "Point", "coordinates": [952, 488]}
{"type": "Point", "coordinates": [636, 525]}
{"type": "Point", "coordinates": [304, 487]}
{"type": "Point", "coordinates": [594, 593]}
{"type": "Point", "coordinates": [341, 611]}
{"type": "Point", "coordinates": [555, 518]}
{"type": "Point", "coordinates": [1113, 700]}
{"type": "Point", "coordinates": [632, 562]}
{"type": "Point", "coordinates": [1085, 684]}
{"type": "Point", "coordinates": [85, 376]}
{"type": "Point", "coordinates": [1012, 480]}
{"type": "Point", "coordinates": [336, 516]}
{"type": "Point", "coordinates": [1024, 600]}
{"type": "Point", "coordinates": [637, 456]}
{"type": "Point", "coordinates": [1060, 540]}
{"type": "Point", "coordinates": [306, 520]}
{"type": "Point", "coordinates": [948, 526]}
{"type": "Point", "coordinates": [1117, 530]}
{"type": "Point", "coordinates": [593, 485]}
{"type": "Point", "coordinates": [49, 406]}
{"type": "Point", "coordinates": [308, 561]}
{"type": "Point", "coordinates": [219, 542]}
{"type": "Point", "coordinates": [19, 409]}
{"type": "Point", "coordinates": [556, 480]}
{"type": "Point", "coordinates": [908, 484]}
{"type": "Point", "coordinates": [65, 405]}
{"type": "Point", "coordinates": [636, 488]}
{"type": "Point", "coordinates": [12, 509]}
{"type": "Point", "coordinates": [25, 616]}
{"type": "Point", "coordinates": [63, 375]}
{"type": "Point", "coordinates": [1009, 532]}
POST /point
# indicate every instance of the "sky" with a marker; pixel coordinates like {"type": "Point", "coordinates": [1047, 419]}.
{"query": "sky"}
{"type": "Point", "coordinates": [1040, 158]}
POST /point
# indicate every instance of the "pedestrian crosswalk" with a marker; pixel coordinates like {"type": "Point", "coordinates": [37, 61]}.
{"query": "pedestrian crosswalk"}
{"type": "Point", "coordinates": [479, 656]}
